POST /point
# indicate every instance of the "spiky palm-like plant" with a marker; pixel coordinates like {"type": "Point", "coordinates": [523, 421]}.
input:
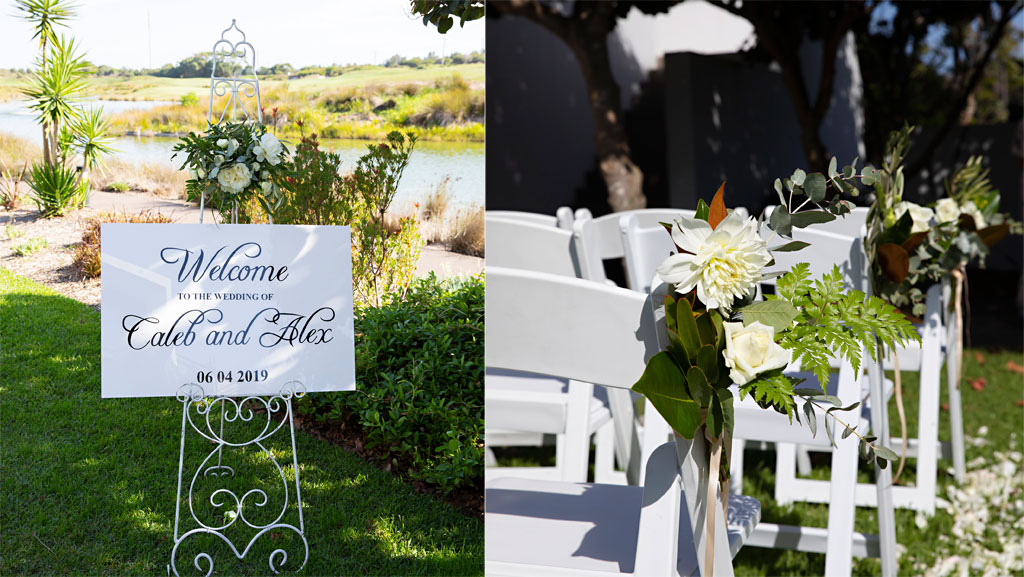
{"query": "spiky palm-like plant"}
{"type": "Point", "coordinates": [45, 16]}
{"type": "Point", "coordinates": [55, 88]}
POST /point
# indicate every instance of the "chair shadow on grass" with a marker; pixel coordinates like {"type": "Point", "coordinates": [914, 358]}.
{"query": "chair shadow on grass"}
{"type": "Point", "coordinates": [89, 484]}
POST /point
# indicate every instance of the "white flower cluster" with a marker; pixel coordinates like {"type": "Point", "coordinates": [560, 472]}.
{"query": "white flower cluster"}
{"type": "Point", "coordinates": [723, 264]}
{"type": "Point", "coordinates": [236, 166]}
{"type": "Point", "coordinates": [987, 504]}
{"type": "Point", "coordinates": [946, 210]}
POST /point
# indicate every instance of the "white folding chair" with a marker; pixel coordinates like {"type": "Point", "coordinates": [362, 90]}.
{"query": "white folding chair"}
{"type": "Point", "coordinates": [522, 408]}
{"type": "Point", "coordinates": [838, 541]}
{"type": "Point", "coordinates": [585, 331]}
{"type": "Point", "coordinates": [563, 217]}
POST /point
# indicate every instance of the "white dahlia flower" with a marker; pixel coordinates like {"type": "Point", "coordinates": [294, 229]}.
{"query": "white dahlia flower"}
{"type": "Point", "coordinates": [724, 263]}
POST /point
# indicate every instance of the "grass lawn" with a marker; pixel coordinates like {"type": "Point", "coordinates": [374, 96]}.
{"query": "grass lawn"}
{"type": "Point", "coordinates": [995, 407]}
{"type": "Point", "coordinates": [89, 483]}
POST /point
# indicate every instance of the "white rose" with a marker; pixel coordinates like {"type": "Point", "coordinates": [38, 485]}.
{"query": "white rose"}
{"type": "Point", "coordinates": [919, 214]}
{"type": "Point", "coordinates": [266, 185]}
{"type": "Point", "coordinates": [223, 143]}
{"type": "Point", "coordinates": [724, 264]}
{"type": "Point", "coordinates": [969, 208]}
{"type": "Point", "coordinates": [946, 210]}
{"type": "Point", "coordinates": [192, 173]}
{"type": "Point", "coordinates": [751, 350]}
{"type": "Point", "coordinates": [255, 167]}
{"type": "Point", "coordinates": [268, 149]}
{"type": "Point", "coordinates": [201, 173]}
{"type": "Point", "coordinates": [235, 178]}
{"type": "Point", "coordinates": [218, 159]}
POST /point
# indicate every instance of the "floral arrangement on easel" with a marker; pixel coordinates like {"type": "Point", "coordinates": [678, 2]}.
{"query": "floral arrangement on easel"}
{"type": "Point", "coordinates": [719, 335]}
{"type": "Point", "coordinates": [233, 163]}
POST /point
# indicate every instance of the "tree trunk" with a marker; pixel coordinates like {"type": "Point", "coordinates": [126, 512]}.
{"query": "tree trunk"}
{"type": "Point", "coordinates": [623, 178]}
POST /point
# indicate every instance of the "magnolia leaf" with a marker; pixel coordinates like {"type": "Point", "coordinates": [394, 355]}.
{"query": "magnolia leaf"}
{"type": "Point", "coordinates": [790, 246]}
{"type": "Point", "coordinates": [716, 321]}
{"type": "Point", "coordinates": [914, 241]}
{"type": "Point", "coordinates": [707, 360]}
{"type": "Point", "coordinates": [991, 235]}
{"type": "Point", "coordinates": [728, 413]}
{"type": "Point", "coordinates": [686, 327]}
{"type": "Point", "coordinates": [662, 384]}
{"type": "Point", "coordinates": [894, 260]}
{"type": "Point", "coordinates": [815, 186]}
{"type": "Point", "coordinates": [717, 212]}
{"type": "Point", "coordinates": [700, 388]}
{"type": "Point", "coordinates": [778, 314]}
{"type": "Point", "coordinates": [809, 217]}
{"type": "Point", "coordinates": [886, 453]}
{"type": "Point", "coordinates": [716, 418]}
{"type": "Point", "coordinates": [966, 222]}
{"type": "Point", "coordinates": [706, 329]}
{"type": "Point", "coordinates": [670, 312]}
{"type": "Point", "coordinates": [702, 210]}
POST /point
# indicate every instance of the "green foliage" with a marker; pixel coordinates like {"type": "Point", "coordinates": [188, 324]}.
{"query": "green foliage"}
{"type": "Point", "coordinates": [824, 193]}
{"type": "Point", "coordinates": [691, 374]}
{"type": "Point", "coordinates": [316, 192]}
{"type": "Point", "coordinates": [30, 246]}
{"type": "Point", "coordinates": [118, 187]}
{"type": "Point", "coordinates": [833, 320]}
{"type": "Point", "coordinates": [189, 100]}
{"type": "Point", "coordinates": [45, 15]}
{"type": "Point", "coordinates": [419, 370]}
{"type": "Point", "coordinates": [10, 185]}
{"type": "Point", "coordinates": [383, 259]}
{"type": "Point", "coordinates": [55, 87]}
{"type": "Point", "coordinates": [440, 12]}
{"type": "Point", "coordinates": [56, 189]}
{"type": "Point", "coordinates": [91, 137]}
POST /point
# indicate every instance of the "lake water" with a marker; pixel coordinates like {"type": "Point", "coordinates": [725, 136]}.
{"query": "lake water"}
{"type": "Point", "coordinates": [431, 162]}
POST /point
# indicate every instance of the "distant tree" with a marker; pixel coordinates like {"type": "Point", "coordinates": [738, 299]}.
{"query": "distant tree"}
{"type": "Point", "coordinates": [442, 13]}
{"type": "Point", "coordinates": [585, 29]}
{"type": "Point", "coordinates": [927, 64]}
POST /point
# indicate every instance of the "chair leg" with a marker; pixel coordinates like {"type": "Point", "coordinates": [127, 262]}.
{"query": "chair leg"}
{"type": "Point", "coordinates": [656, 432]}
{"type": "Point", "coordinates": [841, 509]}
{"type": "Point", "coordinates": [489, 459]}
{"type": "Point", "coordinates": [604, 454]}
{"type": "Point", "coordinates": [803, 460]}
{"type": "Point", "coordinates": [883, 478]}
{"type": "Point", "coordinates": [785, 472]}
{"type": "Point", "coordinates": [736, 466]}
{"type": "Point", "coordinates": [956, 414]}
{"type": "Point", "coordinates": [575, 457]}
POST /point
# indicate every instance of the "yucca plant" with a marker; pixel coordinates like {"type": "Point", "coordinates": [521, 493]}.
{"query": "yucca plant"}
{"type": "Point", "coordinates": [89, 136]}
{"type": "Point", "coordinates": [57, 189]}
{"type": "Point", "coordinates": [54, 89]}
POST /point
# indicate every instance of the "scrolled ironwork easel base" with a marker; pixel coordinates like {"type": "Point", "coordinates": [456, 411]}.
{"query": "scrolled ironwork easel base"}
{"type": "Point", "coordinates": [224, 500]}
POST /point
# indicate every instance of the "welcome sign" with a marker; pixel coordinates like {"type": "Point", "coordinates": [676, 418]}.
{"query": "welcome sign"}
{"type": "Point", "coordinates": [238, 309]}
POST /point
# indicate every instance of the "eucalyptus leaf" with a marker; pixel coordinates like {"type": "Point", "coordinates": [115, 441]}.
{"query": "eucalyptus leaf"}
{"type": "Point", "coordinates": [828, 429]}
{"type": "Point", "coordinates": [780, 221]}
{"type": "Point", "coordinates": [798, 177]}
{"type": "Point", "coordinates": [790, 246]}
{"type": "Point", "coordinates": [886, 453]}
{"type": "Point", "coordinates": [812, 422]}
{"type": "Point", "coordinates": [809, 217]}
{"type": "Point", "coordinates": [832, 172]}
{"type": "Point", "coordinates": [815, 185]}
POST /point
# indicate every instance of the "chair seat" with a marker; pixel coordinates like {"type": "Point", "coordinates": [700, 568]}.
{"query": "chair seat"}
{"type": "Point", "coordinates": [521, 402]}
{"type": "Point", "coordinates": [584, 526]}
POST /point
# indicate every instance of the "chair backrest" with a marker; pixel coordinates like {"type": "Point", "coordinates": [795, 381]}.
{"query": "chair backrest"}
{"type": "Point", "coordinates": [609, 238]}
{"type": "Point", "coordinates": [587, 331]}
{"type": "Point", "coordinates": [520, 244]}
{"type": "Point", "coordinates": [644, 249]}
{"type": "Point", "coordinates": [562, 219]}
{"type": "Point", "coordinates": [566, 327]}
{"type": "Point", "coordinates": [827, 250]}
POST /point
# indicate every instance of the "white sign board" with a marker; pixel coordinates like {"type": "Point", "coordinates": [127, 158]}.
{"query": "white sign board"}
{"type": "Point", "coordinates": [238, 309]}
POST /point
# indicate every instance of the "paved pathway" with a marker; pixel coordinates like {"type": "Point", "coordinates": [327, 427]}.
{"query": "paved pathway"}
{"type": "Point", "coordinates": [433, 258]}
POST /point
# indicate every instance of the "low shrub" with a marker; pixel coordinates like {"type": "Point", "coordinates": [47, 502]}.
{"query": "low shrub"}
{"type": "Point", "coordinates": [87, 253]}
{"type": "Point", "coordinates": [117, 187]}
{"type": "Point", "coordinates": [189, 100]}
{"type": "Point", "coordinates": [31, 246]}
{"type": "Point", "coordinates": [57, 189]}
{"type": "Point", "coordinates": [12, 232]}
{"type": "Point", "coordinates": [10, 185]}
{"type": "Point", "coordinates": [419, 373]}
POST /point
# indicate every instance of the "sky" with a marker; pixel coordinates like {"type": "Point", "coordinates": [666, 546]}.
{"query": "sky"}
{"type": "Point", "coordinates": [151, 33]}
